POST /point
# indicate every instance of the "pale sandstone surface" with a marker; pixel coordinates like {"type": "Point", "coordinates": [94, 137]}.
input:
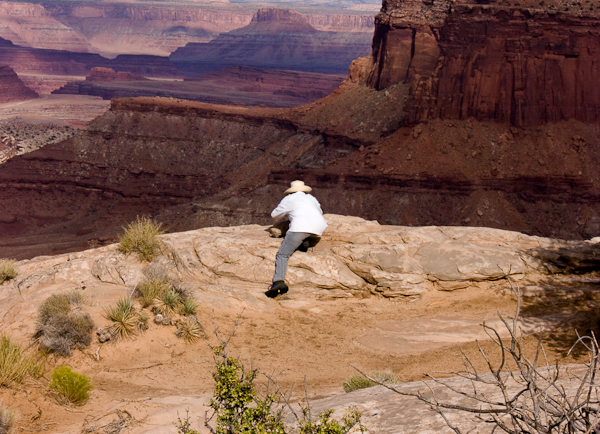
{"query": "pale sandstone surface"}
{"type": "Point", "coordinates": [395, 312]}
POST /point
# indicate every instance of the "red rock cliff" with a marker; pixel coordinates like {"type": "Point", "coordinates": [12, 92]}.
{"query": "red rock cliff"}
{"type": "Point", "coordinates": [488, 62]}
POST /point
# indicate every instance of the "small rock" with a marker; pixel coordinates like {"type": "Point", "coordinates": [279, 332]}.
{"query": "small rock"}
{"type": "Point", "coordinates": [417, 131]}
{"type": "Point", "coordinates": [158, 318]}
{"type": "Point", "coordinates": [467, 220]}
{"type": "Point", "coordinates": [103, 335]}
{"type": "Point", "coordinates": [479, 212]}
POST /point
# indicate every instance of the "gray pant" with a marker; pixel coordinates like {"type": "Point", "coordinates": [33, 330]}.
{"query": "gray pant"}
{"type": "Point", "coordinates": [289, 245]}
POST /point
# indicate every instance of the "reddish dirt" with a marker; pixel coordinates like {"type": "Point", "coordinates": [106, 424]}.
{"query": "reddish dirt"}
{"type": "Point", "coordinates": [317, 343]}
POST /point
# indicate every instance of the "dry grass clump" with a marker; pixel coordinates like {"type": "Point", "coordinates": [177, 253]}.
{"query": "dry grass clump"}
{"type": "Point", "coordinates": [7, 420]}
{"type": "Point", "coordinates": [163, 295]}
{"type": "Point", "coordinates": [360, 382]}
{"type": "Point", "coordinates": [152, 288]}
{"type": "Point", "coordinates": [141, 237]}
{"type": "Point", "coordinates": [70, 386]}
{"type": "Point", "coordinates": [15, 365]}
{"type": "Point", "coordinates": [127, 321]}
{"type": "Point", "coordinates": [189, 329]}
{"type": "Point", "coordinates": [63, 325]}
{"type": "Point", "coordinates": [8, 269]}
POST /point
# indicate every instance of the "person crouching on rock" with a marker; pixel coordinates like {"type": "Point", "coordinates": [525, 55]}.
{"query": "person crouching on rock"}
{"type": "Point", "coordinates": [306, 219]}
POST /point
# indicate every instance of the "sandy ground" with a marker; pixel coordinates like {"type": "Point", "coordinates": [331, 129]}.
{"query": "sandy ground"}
{"type": "Point", "coordinates": [293, 340]}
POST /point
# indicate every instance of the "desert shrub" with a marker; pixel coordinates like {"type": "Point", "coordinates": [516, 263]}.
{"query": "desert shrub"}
{"type": "Point", "coordinates": [151, 288]}
{"type": "Point", "coordinates": [326, 425]}
{"type": "Point", "coordinates": [15, 365]}
{"type": "Point", "coordinates": [239, 409]}
{"type": "Point", "coordinates": [7, 420]}
{"type": "Point", "coordinates": [188, 306]}
{"type": "Point", "coordinates": [361, 382]}
{"type": "Point", "coordinates": [189, 329]}
{"type": "Point", "coordinates": [124, 317]}
{"type": "Point", "coordinates": [167, 304]}
{"type": "Point", "coordinates": [236, 405]}
{"type": "Point", "coordinates": [8, 269]}
{"type": "Point", "coordinates": [70, 386]}
{"type": "Point", "coordinates": [62, 325]}
{"type": "Point", "coordinates": [141, 237]}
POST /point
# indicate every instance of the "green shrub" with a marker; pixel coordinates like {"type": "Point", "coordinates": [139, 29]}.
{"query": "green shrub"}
{"type": "Point", "coordinates": [235, 403]}
{"type": "Point", "coordinates": [359, 382]}
{"type": "Point", "coordinates": [62, 325]}
{"type": "Point", "coordinates": [8, 269]}
{"type": "Point", "coordinates": [15, 365]}
{"type": "Point", "coordinates": [141, 237]}
{"type": "Point", "coordinates": [124, 317]}
{"type": "Point", "coordinates": [70, 386]}
{"type": "Point", "coordinates": [326, 425]}
{"type": "Point", "coordinates": [7, 420]}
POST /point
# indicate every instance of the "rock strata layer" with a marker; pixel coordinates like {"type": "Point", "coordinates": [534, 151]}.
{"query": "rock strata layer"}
{"type": "Point", "coordinates": [12, 88]}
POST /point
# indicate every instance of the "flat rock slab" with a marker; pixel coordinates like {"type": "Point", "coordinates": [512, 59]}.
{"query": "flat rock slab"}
{"type": "Point", "coordinates": [425, 334]}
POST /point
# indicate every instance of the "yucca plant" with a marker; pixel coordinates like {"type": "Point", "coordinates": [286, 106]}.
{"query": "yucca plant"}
{"type": "Point", "coordinates": [167, 304]}
{"type": "Point", "coordinates": [141, 237]}
{"type": "Point", "coordinates": [188, 306]}
{"type": "Point", "coordinates": [189, 329]}
{"type": "Point", "coordinates": [124, 317]}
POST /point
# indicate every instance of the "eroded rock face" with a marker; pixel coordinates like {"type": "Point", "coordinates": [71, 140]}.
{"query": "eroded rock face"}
{"type": "Point", "coordinates": [522, 66]}
{"type": "Point", "coordinates": [12, 88]}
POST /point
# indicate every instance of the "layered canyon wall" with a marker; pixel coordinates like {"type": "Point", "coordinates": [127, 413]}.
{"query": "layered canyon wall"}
{"type": "Point", "coordinates": [490, 62]}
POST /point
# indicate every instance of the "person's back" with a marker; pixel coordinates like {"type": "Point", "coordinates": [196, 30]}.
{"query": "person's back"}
{"type": "Point", "coordinates": [306, 218]}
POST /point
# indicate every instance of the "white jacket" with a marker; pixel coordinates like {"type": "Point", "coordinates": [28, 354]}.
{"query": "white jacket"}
{"type": "Point", "coordinates": [303, 211]}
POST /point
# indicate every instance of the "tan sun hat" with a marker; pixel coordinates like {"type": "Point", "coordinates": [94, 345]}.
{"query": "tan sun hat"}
{"type": "Point", "coordinates": [297, 186]}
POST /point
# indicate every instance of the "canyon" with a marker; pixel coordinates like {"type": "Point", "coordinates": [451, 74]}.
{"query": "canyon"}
{"type": "Point", "coordinates": [425, 131]}
{"type": "Point", "coordinates": [275, 39]}
{"type": "Point", "coordinates": [134, 28]}
{"type": "Point", "coordinates": [233, 85]}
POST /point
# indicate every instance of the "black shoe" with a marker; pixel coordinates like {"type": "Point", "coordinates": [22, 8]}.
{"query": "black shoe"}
{"type": "Point", "coordinates": [277, 288]}
{"type": "Point", "coordinates": [304, 246]}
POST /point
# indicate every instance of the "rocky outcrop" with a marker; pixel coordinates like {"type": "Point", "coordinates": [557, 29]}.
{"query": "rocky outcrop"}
{"type": "Point", "coordinates": [275, 39]}
{"type": "Point", "coordinates": [99, 74]}
{"type": "Point", "coordinates": [12, 88]}
{"type": "Point", "coordinates": [488, 62]}
{"type": "Point", "coordinates": [353, 257]}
